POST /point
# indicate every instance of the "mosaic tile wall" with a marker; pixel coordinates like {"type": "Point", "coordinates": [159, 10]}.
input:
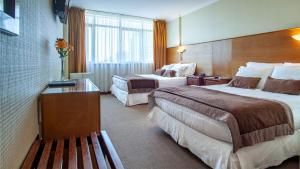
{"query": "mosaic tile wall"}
{"type": "Point", "coordinates": [27, 63]}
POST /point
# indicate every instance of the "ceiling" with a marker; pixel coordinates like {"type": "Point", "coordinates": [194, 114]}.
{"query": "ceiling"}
{"type": "Point", "coordinates": [155, 9]}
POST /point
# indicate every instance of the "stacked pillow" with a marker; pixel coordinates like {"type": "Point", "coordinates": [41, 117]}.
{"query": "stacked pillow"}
{"type": "Point", "coordinates": [277, 78]}
{"type": "Point", "coordinates": [284, 79]}
{"type": "Point", "coordinates": [181, 70]}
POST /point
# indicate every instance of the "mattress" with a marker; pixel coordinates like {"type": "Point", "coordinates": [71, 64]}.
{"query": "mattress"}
{"type": "Point", "coordinates": [162, 81]}
{"type": "Point", "coordinates": [217, 129]}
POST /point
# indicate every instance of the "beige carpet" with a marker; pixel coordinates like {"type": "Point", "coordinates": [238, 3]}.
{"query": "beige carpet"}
{"type": "Point", "coordinates": [142, 145]}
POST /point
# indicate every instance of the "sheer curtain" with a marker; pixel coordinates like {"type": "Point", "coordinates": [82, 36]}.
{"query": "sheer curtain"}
{"type": "Point", "coordinates": [117, 44]}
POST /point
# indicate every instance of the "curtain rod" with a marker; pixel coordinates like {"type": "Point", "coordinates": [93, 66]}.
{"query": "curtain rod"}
{"type": "Point", "coordinates": [119, 14]}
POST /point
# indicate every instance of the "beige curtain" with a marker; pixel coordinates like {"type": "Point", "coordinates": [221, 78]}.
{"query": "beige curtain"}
{"type": "Point", "coordinates": [76, 23]}
{"type": "Point", "coordinates": [160, 43]}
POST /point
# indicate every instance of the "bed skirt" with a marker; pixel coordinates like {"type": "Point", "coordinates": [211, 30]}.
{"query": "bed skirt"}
{"type": "Point", "coordinates": [218, 154]}
{"type": "Point", "coordinates": [129, 99]}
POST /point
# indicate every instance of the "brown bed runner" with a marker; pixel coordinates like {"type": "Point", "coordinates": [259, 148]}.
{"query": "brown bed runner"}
{"type": "Point", "coordinates": [250, 120]}
{"type": "Point", "coordinates": [139, 84]}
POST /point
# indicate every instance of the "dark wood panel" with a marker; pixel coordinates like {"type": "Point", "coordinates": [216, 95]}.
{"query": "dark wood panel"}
{"type": "Point", "coordinates": [224, 57]}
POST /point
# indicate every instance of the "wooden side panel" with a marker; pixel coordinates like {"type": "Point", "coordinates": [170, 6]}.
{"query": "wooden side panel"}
{"type": "Point", "coordinates": [224, 57]}
{"type": "Point", "coordinates": [68, 114]}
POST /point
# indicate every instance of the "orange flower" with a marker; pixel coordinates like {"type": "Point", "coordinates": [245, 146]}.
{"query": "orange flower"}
{"type": "Point", "coordinates": [61, 43]}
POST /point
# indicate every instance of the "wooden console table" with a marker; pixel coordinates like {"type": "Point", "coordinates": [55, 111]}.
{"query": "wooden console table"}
{"type": "Point", "coordinates": [70, 111]}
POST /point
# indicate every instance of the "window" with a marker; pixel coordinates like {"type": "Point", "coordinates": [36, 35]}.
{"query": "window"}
{"type": "Point", "coordinates": [113, 38]}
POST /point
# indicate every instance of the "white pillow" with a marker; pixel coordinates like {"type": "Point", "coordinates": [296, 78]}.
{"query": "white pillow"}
{"type": "Point", "coordinates": [262, 73]}
{"type": "Point", "coordinates": [167, 67]}
{"type": "Point", "coordinates": [180, 69]}
{"type": "Point", "coordinates": [191, 68]}
{"type": "Point", "coordinates": [262, 65]}
{"type": "Point", "coordinates": [291, 64]}
{"type": "Point", "coordinates": [286, 72]}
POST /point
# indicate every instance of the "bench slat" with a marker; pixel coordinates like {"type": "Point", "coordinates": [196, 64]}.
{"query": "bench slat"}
{"type": "Point", "coordinates": [45, 156]}
{"type": "Point", "coordinates": [112, 155]}
{"type": "Point", "coordinates": [58, 157]}
{"type": "Point", "coordinates": [31, 155]}
{"type": "Point", "coordinates": [86, 157]}
{"type": "Point", "coordinates": [98, 152]}
{"type": "Point", "coordinates": [72, 154]}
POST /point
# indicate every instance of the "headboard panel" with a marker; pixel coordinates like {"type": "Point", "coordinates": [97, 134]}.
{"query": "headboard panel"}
{"type": "Point", "coordinates": [224, 57]}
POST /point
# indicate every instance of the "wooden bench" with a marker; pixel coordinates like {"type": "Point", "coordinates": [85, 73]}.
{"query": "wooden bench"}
{"type": "Point", "coordinates": [92, 152]}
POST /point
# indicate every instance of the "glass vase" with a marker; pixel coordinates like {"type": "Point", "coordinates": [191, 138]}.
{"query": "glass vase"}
{"type": "Point", "coordinates": [62, 72]}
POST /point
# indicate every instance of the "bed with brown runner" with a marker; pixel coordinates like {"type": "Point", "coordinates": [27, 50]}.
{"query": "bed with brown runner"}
{"type": "Point", "coordinates": [134, 89]}
{"type": "Point", "coordinates": [235, 126]}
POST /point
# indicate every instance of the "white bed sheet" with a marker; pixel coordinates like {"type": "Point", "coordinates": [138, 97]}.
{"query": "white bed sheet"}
{"type": "Point", "coordinates": [162, 81]}
{"type": "Point", "coordinates": [218, 154]}
{"type": "Point", "coordinates": [129, 99]}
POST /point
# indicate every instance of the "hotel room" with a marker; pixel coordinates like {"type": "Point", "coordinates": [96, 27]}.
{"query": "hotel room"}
{"type": "Point", "coordinates": [137, 84]}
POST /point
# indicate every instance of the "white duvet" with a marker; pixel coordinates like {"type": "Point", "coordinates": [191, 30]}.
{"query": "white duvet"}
{"type": "Point", "coordinates": [162, 81]}
{"type": "Point", "coordinates": [219, 130]}
{"type": "Point", "coordinates": [196, 132]}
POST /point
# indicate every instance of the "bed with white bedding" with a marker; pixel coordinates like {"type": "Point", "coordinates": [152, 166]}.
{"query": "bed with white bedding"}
{"type": "Point", "coordinates": [120, 86]}
{"type": "Point", "coordinates": [211, 140]}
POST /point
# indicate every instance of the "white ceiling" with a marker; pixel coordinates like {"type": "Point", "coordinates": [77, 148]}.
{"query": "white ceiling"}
{"type": "Point", "coordinates": [155, 9]}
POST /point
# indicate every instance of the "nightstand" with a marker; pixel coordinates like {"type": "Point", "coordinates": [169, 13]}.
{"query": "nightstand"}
{"type": "Point", "coordinates": [195, 80]}
{"type": "Point", "coordinates": [216, 80]}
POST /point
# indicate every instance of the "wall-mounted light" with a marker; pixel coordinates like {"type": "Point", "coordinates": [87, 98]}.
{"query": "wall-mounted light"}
{"type": "Point", "coordinates": [180, 48]}
{"type": "Point", "coordinates": [297, 37]}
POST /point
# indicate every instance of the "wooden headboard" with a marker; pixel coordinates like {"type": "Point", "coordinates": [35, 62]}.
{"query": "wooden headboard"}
{"type": "Point", "coordinates": [224, 57]}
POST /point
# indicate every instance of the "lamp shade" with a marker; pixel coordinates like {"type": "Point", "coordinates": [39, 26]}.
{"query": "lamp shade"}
{"type": "Point", "coordinates": [297, 37]}
{"type": "Point", "coordinates": [181, 49]}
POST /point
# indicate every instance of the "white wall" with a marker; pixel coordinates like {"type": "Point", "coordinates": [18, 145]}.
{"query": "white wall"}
{"type": "Point", "coordinates": [233, 18]}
